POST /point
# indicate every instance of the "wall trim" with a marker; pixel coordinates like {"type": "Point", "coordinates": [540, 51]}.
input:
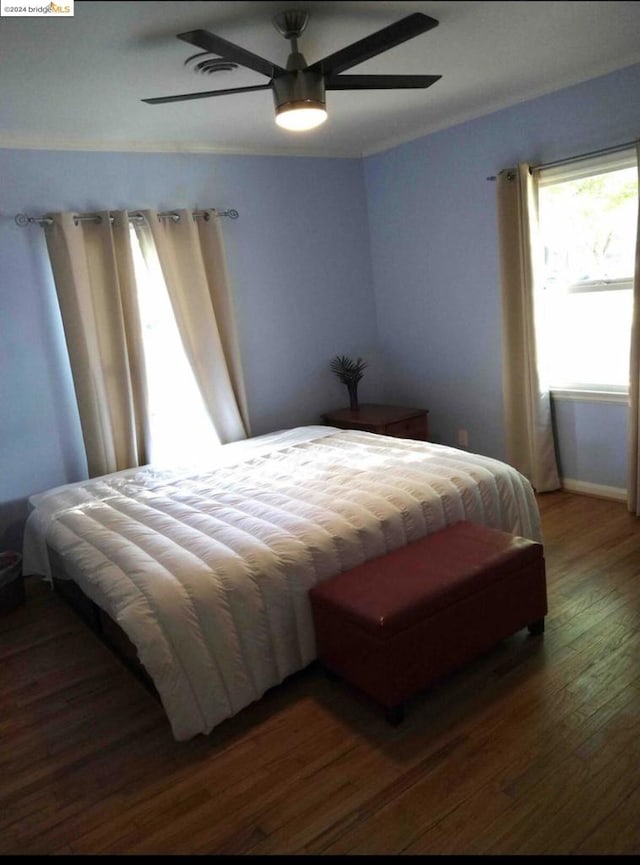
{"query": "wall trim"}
{"type": "Point", "coordinates": [8, 142]}
{"type": "Point", "coordinates": [600, 491]}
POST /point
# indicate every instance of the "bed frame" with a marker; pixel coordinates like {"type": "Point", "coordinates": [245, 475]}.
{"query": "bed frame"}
{"type": "Point", "coordinates": [102, 625]}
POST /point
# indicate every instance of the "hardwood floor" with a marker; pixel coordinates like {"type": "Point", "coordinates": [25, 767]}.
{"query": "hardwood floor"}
{"type": "Point", "coordinates": [532, 749]}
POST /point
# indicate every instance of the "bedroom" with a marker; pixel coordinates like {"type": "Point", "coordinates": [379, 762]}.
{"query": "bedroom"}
{"type": "Point", "coordinates": [366, 231]}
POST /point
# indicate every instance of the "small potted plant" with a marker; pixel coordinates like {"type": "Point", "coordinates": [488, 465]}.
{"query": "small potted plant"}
{"type": "Point", "coordinates": [349, 372]}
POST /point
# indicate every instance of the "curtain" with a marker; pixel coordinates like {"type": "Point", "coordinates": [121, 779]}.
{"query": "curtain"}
{"type": "Point", "coordinates": [527, 405]}
{"type": "Point", "coordinates": [633, 471]}
{"type": "Point", "coordinates": [192, 259]}
{"type": "Point", "coordinates": [94, 277]}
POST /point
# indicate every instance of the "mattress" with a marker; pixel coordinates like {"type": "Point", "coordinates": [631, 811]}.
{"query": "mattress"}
{"type": "Point", "coordinates": [208, 572]}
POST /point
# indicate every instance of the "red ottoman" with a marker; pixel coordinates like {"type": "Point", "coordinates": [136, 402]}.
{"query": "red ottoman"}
{"type": "Point", "coordinates": [396, 623]}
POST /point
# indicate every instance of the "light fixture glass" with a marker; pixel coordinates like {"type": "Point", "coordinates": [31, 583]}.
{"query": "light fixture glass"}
{"type": "Point", "coordinates": [299, 116]}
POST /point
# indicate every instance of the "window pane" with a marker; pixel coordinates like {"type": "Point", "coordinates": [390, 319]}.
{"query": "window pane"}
{"type": "Point", "coordinates": [588, 229]}
{"type": "Point", "coordinates": [588, 338]}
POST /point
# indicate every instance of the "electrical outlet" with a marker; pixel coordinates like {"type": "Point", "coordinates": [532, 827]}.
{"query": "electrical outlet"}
{"type": "Point", "coordinates": [463, 438]}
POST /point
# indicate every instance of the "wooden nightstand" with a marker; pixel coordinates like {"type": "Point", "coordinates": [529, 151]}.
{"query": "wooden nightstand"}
{"type": "Point", "coordinates": [390, 420]}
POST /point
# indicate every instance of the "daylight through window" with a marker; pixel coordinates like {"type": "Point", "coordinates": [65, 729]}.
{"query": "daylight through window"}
{"type": "Point", "coordinates": [182, 433]}
{"type": "Point", "coordinates": [588, 212]}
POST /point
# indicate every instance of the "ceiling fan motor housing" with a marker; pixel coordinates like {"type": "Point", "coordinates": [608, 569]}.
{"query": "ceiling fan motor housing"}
{"type": "Point", "coordinates": [300, 85]}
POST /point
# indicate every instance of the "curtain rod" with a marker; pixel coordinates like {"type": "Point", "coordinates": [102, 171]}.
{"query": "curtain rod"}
{"type": "Point", "coordinates": [588, 155]}
{"type": "Point", "coordinates": [22, 219]}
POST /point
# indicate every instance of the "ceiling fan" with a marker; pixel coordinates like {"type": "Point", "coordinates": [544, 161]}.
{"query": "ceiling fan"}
{"type": "Point", "coordinates": [299, 89]}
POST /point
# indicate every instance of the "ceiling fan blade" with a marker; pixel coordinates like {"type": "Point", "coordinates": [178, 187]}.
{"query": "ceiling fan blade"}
{"type": "Point", "coordinates": [157, 100]}
{"type": "Point", "coordinates": [217, 45]}
{"type": "Point", "coordinates": [376, 43]}
{"type": "Point", "coordinates": [378, 82]}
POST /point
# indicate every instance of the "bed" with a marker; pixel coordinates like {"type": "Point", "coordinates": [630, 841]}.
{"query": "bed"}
{"type": "Point", "coordinates": [208, 572]}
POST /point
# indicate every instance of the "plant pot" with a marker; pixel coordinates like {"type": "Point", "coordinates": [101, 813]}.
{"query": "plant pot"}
{"type": "Point", "coordinates": [353, 396]}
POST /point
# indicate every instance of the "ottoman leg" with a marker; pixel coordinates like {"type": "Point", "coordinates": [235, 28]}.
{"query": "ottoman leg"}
{"type": "Point", "coordinates": [394, 714]}
{"type": "Point", "coordinates": [537, 628]}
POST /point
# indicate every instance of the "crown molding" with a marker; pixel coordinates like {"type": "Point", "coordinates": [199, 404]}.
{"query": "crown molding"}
{"type": "Point", "coordinates": [28, 143]}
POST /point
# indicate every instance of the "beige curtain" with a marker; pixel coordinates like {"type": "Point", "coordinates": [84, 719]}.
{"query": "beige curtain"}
{"type": "Point", "coordinates": [527, 405]}
{"type": "Point", "coordinates": [633, 471]}
{"type": "Point", "coordinates": [191, 256]}
{"type": "Point", "coordinates": [94, 277]}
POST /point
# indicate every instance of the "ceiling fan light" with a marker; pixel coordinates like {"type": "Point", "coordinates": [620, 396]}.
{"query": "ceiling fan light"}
{"type": "Point", "coordinates": [300, 116]}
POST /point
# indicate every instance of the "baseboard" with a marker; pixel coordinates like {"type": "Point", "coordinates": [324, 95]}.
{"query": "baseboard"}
{"type": "Point", "coordinates": [600, 491]}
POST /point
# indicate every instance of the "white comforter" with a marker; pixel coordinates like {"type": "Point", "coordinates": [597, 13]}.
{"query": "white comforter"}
{"type": "Point", "coordinates": [209, 574]}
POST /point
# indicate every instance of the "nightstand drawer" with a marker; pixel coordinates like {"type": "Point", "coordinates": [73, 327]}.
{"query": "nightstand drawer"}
{"type": "Point", "coordinates": [411, 428]}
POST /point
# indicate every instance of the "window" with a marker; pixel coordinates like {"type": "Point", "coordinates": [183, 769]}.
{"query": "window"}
{"type": "Point", "coordinates": [181, 431]}
{"type": "Point", "coordinates": [588, 212]}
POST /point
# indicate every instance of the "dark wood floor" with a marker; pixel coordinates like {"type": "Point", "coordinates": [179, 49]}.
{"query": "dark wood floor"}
{"type": "Point", "coordinates": [532, 749]}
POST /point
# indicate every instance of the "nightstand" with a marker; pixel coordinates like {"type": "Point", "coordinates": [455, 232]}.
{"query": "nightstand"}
{"type": "Point", "coordinates": [390, 420]}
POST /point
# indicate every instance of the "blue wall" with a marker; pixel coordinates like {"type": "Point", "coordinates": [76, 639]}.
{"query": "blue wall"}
{"type": "Point", "coordinates": [434, 245]}
{"type": "Point", "coordinates": [299, 263]}
{"type": "Point", "coordinates": [593, 441]}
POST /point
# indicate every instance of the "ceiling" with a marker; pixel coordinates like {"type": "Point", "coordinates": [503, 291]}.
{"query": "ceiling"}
{"type": "Point", "coordinates": [76, 82]}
